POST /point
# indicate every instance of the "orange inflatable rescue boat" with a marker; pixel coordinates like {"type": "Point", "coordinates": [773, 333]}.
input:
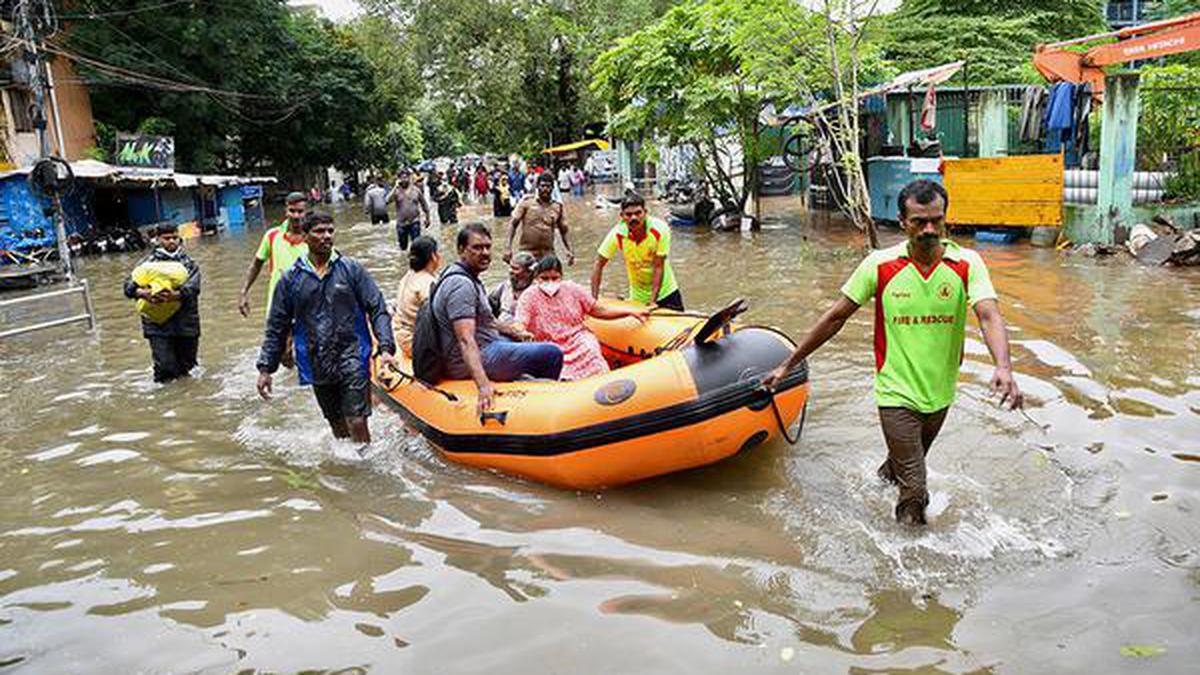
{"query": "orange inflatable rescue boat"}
{"type": "Point", "coordinates": [685, 391]}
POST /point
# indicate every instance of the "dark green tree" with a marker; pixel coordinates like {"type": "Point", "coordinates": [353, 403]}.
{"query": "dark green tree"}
{"type": "Point", "coordinates": [285, 90]}
{"type": "Point", "coordinates": [997, 39]}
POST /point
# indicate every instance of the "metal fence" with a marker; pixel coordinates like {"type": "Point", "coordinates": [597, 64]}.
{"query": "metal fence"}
{"type": "Point", "coordinates": [74, 288]}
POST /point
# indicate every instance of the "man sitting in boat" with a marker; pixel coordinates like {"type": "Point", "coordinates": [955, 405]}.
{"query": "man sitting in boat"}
{"type": "Point", "coordinates": [506, 293]}
{"type": "Point", "coordinates": [478, 347]}
{"type": "Point", "coordinates": [554, 310]}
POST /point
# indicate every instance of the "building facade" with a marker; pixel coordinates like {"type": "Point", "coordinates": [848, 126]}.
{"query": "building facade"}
{"type": "Point", "coordinates": [70, 128]}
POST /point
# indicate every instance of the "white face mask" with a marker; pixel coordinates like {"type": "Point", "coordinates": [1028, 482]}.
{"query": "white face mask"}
{"type": "Point", "coordinates": [549, 287]}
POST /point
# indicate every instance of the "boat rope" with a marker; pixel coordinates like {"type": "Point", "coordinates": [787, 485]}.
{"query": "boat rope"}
{"type": "Point", "coordinates": [783, 427]}
{"type": "Point", "coordinates": [409, 376]}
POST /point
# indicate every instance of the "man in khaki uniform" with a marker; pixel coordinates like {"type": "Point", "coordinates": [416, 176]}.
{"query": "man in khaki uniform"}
{"type": "Point", "coordinates": [539, 217]}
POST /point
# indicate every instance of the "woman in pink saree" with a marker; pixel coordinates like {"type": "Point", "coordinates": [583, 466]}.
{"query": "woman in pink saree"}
{"type": "Point", "coordinates": [553, 310]}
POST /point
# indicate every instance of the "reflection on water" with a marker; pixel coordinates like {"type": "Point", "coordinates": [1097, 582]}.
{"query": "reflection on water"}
{"type": "Point", "coordinates": [192, 527]}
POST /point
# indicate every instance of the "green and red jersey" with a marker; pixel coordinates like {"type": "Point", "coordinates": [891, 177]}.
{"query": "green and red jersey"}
{"type": "Point", "coordinates": [280, 250]}
{"type": "Point", "coordinates": [640, 257]}
{"type": "Point", "coordinates": [920, 321]}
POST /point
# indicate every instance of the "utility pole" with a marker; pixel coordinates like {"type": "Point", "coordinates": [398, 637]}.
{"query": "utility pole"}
{"type": "Point", "coordinates": [33, 17]}
{"type": "Point", "coordinates": [30, 34]}
{"type": "Point", "coordinates": [50, 176]}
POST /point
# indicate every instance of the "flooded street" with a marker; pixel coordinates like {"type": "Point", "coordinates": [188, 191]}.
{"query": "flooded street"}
{"type": "Point", "coordinates": [194, 528]}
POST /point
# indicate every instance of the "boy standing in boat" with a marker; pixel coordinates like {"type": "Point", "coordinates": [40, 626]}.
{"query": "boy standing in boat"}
{"type": "Point", "coordinates": [645, 244]}
{"type": "Point", "coordinates": [922, 289]}
{"type": "Point", "coordinates": [175, 341]}
{"type": "Point", "coordinates": [325, 300]}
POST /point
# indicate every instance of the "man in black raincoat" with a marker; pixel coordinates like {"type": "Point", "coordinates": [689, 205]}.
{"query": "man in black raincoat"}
{"type": "Point", "coordinates": [332, 307]}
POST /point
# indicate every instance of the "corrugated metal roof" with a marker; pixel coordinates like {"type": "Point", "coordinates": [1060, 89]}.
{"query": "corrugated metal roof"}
{"type": "Point", "coordinates": [90, 169]}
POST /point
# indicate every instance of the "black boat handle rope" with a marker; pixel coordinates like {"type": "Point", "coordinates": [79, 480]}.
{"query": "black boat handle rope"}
{"type": "Point", "coordinates": [409, 376]}
{"type": "Point", "coordinates": [779, 419]}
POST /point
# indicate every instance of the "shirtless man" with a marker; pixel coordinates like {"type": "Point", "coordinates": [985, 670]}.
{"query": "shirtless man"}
{"type": "Point", "coordinates": [539, 217]}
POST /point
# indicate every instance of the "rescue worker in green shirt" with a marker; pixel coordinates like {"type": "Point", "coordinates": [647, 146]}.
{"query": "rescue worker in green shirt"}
{"type": "Point", "coordinates": [922, 289]}
{"type": "Point", "coordinates": [280, 248]}
{"type": "Point", "coordinates": [645, 243]}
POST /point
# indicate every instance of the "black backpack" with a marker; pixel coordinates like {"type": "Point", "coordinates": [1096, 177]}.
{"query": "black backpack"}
{"type": "Point", "coordinates": [428, 354]}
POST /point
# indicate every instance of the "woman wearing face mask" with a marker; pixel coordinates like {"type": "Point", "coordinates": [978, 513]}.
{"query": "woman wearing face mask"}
{"type": "Point", "coordinates": [423, 264]}
{"type": "Point", "coordinates": [553, 310]}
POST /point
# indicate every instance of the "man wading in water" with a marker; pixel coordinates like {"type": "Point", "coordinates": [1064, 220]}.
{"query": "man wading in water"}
{"type": "Point", "coordinates": [324, 300]}
{"type": "Point", "coordinates": [173, 341]}
{"type": "Point", "coordinates": [539, 217]}
{"type": "Point", "coordinates": [412, 213]}
{"type": "Point", "coordinates": [922, 289]}
{"type": "Point", "coordinates": [645, 243]}
{"type": "Point", "coordinates": [280, 248]}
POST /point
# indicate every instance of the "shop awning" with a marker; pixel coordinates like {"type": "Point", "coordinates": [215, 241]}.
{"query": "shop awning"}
{"type": "Point", "coordinates": [90, 169]}
{"type": "Point", "coordinates": [913, 79]}
{"type": "Point", "coordinates": [597, 143]}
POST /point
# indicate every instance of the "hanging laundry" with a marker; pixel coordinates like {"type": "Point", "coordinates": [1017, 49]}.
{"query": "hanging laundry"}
{"type": "Point", "coordinates": [1060, 122]}
{"type": "Point", "coordinates": [929, 110]}
{"type": "Point", "coordinates": [1083, 111]}
{"type": "Point", "coordinates": [1060, 113]}
{"type": "Point", "coordinates": [1033, 110]}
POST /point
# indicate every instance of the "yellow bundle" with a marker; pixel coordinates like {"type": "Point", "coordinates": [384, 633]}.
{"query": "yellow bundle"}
{"type": "Point", "coordinates": [159, 275]}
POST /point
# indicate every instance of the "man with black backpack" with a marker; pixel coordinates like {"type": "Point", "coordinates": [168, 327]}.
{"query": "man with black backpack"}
{"type": "Point", "coordinates": [325, 301]}
{"type": "Point", "coordinates": [456, 337]}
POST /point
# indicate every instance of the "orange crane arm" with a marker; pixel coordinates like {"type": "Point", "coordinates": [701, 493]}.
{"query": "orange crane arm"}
{"type": "Point", "coordinates": [1147, 41]}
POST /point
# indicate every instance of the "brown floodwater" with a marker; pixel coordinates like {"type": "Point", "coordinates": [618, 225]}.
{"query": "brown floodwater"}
{"type": "Point", "coordinates": [194, 528]}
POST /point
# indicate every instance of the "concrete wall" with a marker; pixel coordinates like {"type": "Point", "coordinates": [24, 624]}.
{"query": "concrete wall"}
{"type": "Point", "coordinates": [1078, 219]}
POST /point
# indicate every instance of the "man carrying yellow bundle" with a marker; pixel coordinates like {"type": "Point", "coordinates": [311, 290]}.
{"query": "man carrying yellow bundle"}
{"type": "Point", "coordinates": [166, 285]}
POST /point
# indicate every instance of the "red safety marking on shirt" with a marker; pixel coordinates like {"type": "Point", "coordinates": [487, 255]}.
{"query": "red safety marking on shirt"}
{"type": "Point", "coordinates": [884, 275]}
{"type": "Point", "coordinates": [961, 267]}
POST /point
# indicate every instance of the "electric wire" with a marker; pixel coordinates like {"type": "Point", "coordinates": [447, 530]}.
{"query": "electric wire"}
{"type": "Point", "coordinates": [124, 12]}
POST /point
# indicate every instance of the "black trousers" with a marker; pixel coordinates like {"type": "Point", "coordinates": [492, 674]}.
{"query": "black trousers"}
{"type": "Point", "coordinates": [173, 357]}
{"type": "Point", "coordinates": [406, 232]}
{"type": "Point", "coordinates": [673, 301]}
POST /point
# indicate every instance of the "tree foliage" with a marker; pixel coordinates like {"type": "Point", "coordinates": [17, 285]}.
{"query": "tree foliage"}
{"type": "Point", "coordinates": [705, 72]}
{"type": "Point", "coordinates": [509, 75]}
{"type": "Point", "coordinates": [1169, 9]}
{"type": "Point", "coordinates": [996, 39]}
{"type": "Point", "coordinates": [1169, 119]}
{"type": "Point", "coordinates": [292, 89]}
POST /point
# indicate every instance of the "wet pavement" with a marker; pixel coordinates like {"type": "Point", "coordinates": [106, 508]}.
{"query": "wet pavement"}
{"type": "Point", "coordinates": [192, 527]}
